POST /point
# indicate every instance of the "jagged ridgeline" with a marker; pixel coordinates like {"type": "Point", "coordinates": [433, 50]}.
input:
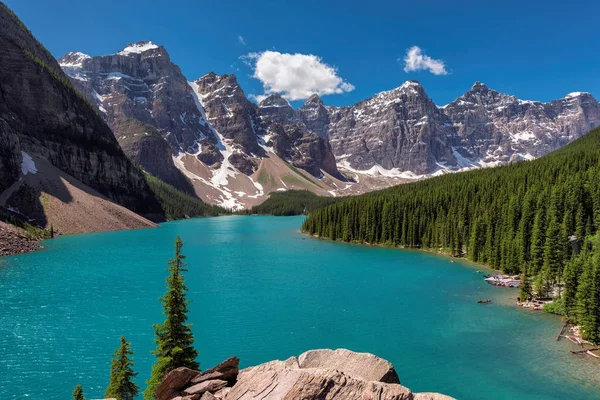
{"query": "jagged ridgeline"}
{"type": "Point", "coordinates": [524, 217]}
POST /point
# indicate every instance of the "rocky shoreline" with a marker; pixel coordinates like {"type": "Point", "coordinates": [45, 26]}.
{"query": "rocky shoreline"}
{"type": "Point", "coordinates": [314, 375]}
{"type": "Point", "coordinates": [13, 241]}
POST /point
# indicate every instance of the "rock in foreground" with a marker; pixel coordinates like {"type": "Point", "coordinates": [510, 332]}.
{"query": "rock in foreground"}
{"type": "Point", "coordinates": [314, 375]}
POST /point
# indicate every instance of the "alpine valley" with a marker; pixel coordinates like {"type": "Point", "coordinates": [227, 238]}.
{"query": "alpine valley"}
{"type": "Point", "coordinates": [208, 139]}
{"type": "Point", "coordinates": [385, 202]}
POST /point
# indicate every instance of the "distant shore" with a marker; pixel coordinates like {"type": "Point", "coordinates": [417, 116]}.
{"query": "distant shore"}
{"type": "Point", "coordinates": [441, 253]}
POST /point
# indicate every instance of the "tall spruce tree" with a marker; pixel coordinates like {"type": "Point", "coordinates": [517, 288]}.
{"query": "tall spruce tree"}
{"type": "Point", "coordinates": [121, 385]}
{"type": "Point", "coordinates": [525, 290]}
{"type": "Point", "coordinates": [588, 300]}
{"type": "Point", "coordinates": [553, 250]}
{"type": "Point", "coordinates": [78, 393]}
{"type": "Point", "coordinates": [538, 238]}
{"type": "Point", "coordinates": [174, 338]}
{"type": "Point", "coordinates": [573, 271]}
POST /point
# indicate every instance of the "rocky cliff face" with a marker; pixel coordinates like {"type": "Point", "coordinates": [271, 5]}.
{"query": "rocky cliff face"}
{"type": "Point", "coordinates": [400, 129]}
{"type": "Point", "coordinates": [42, 115]}
{"type": "Point", "coordinates": [145, 146]}
{"type": "Point", "coordinates": [141, 83]}
{"type": "Point", "coordinates": [10, 162]}
{"type": "Point", "coordinates": [315, 115]}
{"type": "Point", "coordinates": [253, 130]}
{"type": "Point", "coordinates": [233, 117]}
{"type": "Point", "coordinates": [302, 148]}
{"type": "Point", "coordinates": [314, 375]}
{"type": "Point", "coordinates": [495, 127]}
{"type": "Point", "coordinates": [402, 133]}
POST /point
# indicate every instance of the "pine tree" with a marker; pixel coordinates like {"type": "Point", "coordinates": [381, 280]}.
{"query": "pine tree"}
{"type": "Point", "coordinates": [573, 271]}
{"type": "Point", "coordinates": [121, 386]}
{"type": "Point", "coordinates": [541, 285]}
{"type": "Point", "coordinates": [538, 238]}
{"type": "Point", "coordinates": [588, 301]}
{"type": "Point", "coordinates": [553, 250]}
{"type": "Point", "coordinates": [525, 290]}
{"type": "Point", "coordinates": [174, 338]}
{"type": "Point", "coordinates": [78, 393]}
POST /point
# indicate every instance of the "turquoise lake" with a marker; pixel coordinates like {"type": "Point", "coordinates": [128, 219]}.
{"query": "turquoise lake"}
{"type": "Point", "coordinates": [261, 290]}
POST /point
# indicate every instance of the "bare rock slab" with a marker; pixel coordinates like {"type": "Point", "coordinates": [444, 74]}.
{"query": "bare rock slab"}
{"type": "Point", "coordinates": [226, 371]}
{"type": "Point", "coordinates": [362, 366]}
{"type": "Point", "coordinates": [279, 380]}
{"type": "Point", "coordinates": [207, 386]}
{"type": "Point", "coordinates": [174, 382]}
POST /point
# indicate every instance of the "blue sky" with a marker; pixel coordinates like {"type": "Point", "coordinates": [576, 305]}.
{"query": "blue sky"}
{"type": "Point", "coordinates": [537, 50]}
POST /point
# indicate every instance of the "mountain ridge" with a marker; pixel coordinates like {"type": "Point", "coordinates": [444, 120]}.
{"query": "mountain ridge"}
{"type": "Point", "coordinates": [394, 136]}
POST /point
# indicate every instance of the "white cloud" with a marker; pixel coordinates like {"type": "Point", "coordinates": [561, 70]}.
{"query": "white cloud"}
{"type": "Point", "coordinates": [241, 40]}
{"type": "Point", "coordinates": [295, 76]}
{"type": "Point", "coordinates": [416, 60]}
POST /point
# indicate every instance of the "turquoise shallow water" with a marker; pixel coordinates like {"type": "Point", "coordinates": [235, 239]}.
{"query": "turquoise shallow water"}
{"type": "Point", "coordinates": [261, 290]}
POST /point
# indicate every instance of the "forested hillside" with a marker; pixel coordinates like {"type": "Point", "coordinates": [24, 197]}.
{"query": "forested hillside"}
{"type": "Point", "coordinates": [180, 205]}
{"type": "Point", "coordinates": [533, 218]}
{"type": "Point", "coordinates": [291, 202]}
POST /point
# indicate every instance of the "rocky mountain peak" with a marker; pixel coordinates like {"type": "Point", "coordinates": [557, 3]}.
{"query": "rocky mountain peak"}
{"type": "Point", "coordinates": [73, 59]}
{"type": "Point", "coordinates": [227, 84]}
{"type": "Point", "coordinates": [139, 48]}
{"type": "Point", "coordinates": [149, 105]}
{"type": "Point", "coordinates": [481, 95]}
{"type": "Point", "coordinates": [314, 115]}
{"type": "Point", "coordinates": [577, 94]}
{"type": "Point", "coordinates": [276, 109]}
{"type": "Point", "coordinates": [579, 97]}
{"type": "Point", "coordinates": [412, 85]}
{"type": "Point", "coordinates": [314, 100]}
{"type": "Point", "coordinates": [409, 88]}
{"type": "Point", "coordinates": [274, 100]}
{"type": "Point", "coordinates": [233, 116]}
{"type": "Point", "coordinates": [209, 78]}
{"type": "Point", "coordinates": [479, 87]}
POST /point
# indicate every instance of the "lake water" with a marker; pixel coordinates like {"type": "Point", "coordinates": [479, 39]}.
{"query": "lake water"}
{"type": "Point", "coordinates": [261, 290]}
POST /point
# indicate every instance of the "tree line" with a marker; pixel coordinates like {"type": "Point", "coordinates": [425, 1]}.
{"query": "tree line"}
{"type": "Point", "coordinates": [180, 205]}
{"type": "Point", "coordinates": [291, 202]}
{"type": "Point", "coordinates": [174, 341]}
{"type": "Point", "coordinates": [537, 218]}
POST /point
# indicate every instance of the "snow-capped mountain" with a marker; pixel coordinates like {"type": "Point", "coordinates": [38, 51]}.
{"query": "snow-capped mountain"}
{"type": "Point", "coordinates": [204, 137]}
{"type": "Point", "coordinates": [495, 127]}
{"type": "Point", "coordinates": [234, 152]}
{"type": "Point", "coordinates": [401, 132]}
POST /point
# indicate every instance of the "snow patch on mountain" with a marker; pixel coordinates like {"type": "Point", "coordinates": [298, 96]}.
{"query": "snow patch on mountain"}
{"type": "Point", "coordinates": [74, 59]}
{"type": "Point", "coordinates": [226, 171]}
{"type": "Point", "coordinates": [137, 48]}
{"type": "Point", "coordinates": [27, 164]}
{"type": "Point", "coordinates": [378, 170]}
{"type": "Point", "coordinates": [576, 94]}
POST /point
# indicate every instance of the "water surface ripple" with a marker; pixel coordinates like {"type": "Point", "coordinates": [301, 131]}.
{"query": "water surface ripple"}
{"type": "Point", "coordinates": [261, 290]}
